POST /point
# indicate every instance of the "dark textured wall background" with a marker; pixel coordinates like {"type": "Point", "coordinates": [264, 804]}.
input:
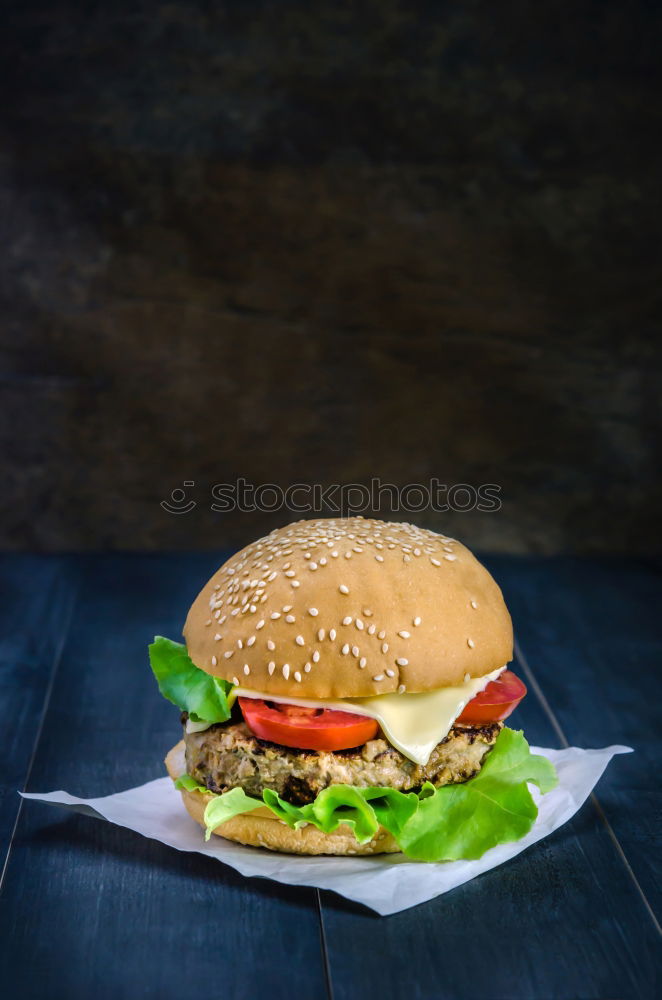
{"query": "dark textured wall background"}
{"type": "Point", "coordinates": [321, 242]}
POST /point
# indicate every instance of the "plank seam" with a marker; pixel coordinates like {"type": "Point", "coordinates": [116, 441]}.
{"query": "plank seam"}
{"type": "Point", "coordinates": [325, 951]}
{"type": "Point", "coordinates": [558, 729]}
{"type": "Point", "coordinates": [57, 658]}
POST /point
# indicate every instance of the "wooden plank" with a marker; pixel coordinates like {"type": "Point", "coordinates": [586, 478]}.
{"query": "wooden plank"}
{"type": "Point", "coordinates": [38, 594]}
{"type": "Point", "coordinates": [591, 631]}
{"type": "Point", "coordinates": [96, 909]}
{"type": "Point", "coordinates": [563, 919]}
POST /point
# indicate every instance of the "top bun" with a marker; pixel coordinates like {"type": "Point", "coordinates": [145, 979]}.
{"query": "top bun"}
{"type": "Point", "coordinates": [349, 608]}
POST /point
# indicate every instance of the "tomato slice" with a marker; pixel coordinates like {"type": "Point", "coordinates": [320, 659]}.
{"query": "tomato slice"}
{"type": "Point", "coordinates": [306, 728]}
{"type": "Point", "coordinates": [496, 702]}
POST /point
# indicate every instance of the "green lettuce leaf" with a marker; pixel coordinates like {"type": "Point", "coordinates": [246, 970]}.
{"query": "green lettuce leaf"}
{"type": "Point", "coordinates": [437, 824]}
{"type": "Point", "coordinates": [204, 697]}
{"type": "Point", "coordinates": [224, 807]}
{"type": "Point", "coordinates": [333, 806]}
{"type": "Point", "coordinates": [185, 781]}
{"type": "Point", "coordinates": [494, 807]}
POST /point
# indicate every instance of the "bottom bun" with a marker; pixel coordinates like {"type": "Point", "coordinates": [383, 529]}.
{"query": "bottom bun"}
{"type": "Point", "coordinates": [260, 828]}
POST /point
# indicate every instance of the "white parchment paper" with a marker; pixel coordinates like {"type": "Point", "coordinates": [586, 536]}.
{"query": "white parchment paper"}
{"type": "Point", "coordinates": [386, 883]}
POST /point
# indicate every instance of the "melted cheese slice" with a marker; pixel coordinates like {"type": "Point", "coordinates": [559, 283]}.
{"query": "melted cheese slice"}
{"type": "Point", "coordinates": [412, 723]}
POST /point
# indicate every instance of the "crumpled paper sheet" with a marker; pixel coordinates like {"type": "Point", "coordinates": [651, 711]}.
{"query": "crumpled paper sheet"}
{"type": "Point", "coordinates": [386, 883]}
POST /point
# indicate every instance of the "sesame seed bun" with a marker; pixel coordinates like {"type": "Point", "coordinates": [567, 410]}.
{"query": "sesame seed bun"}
{"type": "Point", "coordinates": [261, 828]}
{"type": "Point", "coordinates": [349, 608]}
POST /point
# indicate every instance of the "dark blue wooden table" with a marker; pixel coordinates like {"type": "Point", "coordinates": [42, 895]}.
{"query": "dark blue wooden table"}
{"type": "Point", "coordinates": [88, 910]}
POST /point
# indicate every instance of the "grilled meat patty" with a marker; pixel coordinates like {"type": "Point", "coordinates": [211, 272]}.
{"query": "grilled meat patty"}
{"type": "Point", "coordinates": [228, 755]}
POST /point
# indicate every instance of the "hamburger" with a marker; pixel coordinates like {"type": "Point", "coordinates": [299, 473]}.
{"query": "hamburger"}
{"type": "Point", "coordinates": [343, 688]}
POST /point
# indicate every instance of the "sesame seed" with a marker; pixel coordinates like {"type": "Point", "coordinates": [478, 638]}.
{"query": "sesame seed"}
{"type": "Point", "coordinates": [316, 656]}
{"type": "Point", "coordinates": [450, 557]}
{"type": "Point", "coordinates": [323, 561]}
{"type": "Point", "coordinates": [417, 621]}
{"type": "Point", "coordinates": [272, 576]}
{"type": "Point", "coordinates": [289, 619]}
{"type": "Point", "coordinates": [252, 609]}
{"type": "Point", "coordinates": [228, 653]}
{"type": "Point", "coordinates": [359, 624]}
{"type": "Point", "coordinates": [355, 651]}
{"type": "Point", "coordinates": [402, 689]}
{"type": "Point", "coordinates": [401, 662]}
{"type": "Point", "coordinates": [348, 555]}
{"type": "Point", "coordinates": [474, 604]}
{"type": "Point", "coordinates": [372, 629]}
{"type": "Point", "coordinates": [213, 661]}
{"type": "Point", "coordinates": [343, 588]}
{"type": "Point", "coordinates": [378, 677]}
{"type": "Point", "coordinates": [379, 558]}
{"type": "Point", "coordinates": [406, 558]}
{"type": "Point", "coordinates": [345, 649]}
{"type": "Point", "coordinates": [260, 624]}
{"type": "Point", "coordinates": [320, 635]}
{"type": "Point", "coordinates": [470, 643]}
{"type": "Point", "coordinates": [290, 573]}
{"type": "Point", "coordinates": [240, 644]}
{"type": "Point", "coordinates": [235, 681]}
{"type": "Point", "coordinates": [334, 554]}
{"type": "Point", "coordinates": [286, 670]}
{"type": "Point", "coordinates": [271, 644]}
{"type": "Point", "coordinates": [217, 637]}
{"type": "Point", "coordinates": [208, 622]}
{"type": "Point", "coordinates": [367, 612]}
{"type": "Point", "coordinates": [362, 662]}
{"type": "Point", "coordinates": [390, 673]}
{"type": "Point", "coordinates": [347, 620]}
{"type": "Point", "coordinates": [299, 640]}
{"type": "Point", "coordinates": [332, 634]}
{"type": "Point", "coordinates": [275, 615]}
{"type": "Point", "coordinates": [271, 667]}
{"type": "Point", "coordinates": [467, 678]}
{"type": "Point", "coordinates": [287, 607]}
{"type": "Point", "coordinates": [295, 584]}
{"type": "Point", "coordinates": [297, 676]}
{"type": "Point", "coordinates": [307, 668]}
{"type": "Point", "coordinates": [313, 612]}
{"type": "Point", "coordinates": [247, 669]}
{"type": "Point", "coordinates": [384, 647]}
{"type": "Point", "coordinates": [382, 634]}
{"type": "Point", "coordinates": [435, 562]}
{"type": "Point", "coordinates": [250, 641]}
{"type": "Point", "coordinates": [403, 634]}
